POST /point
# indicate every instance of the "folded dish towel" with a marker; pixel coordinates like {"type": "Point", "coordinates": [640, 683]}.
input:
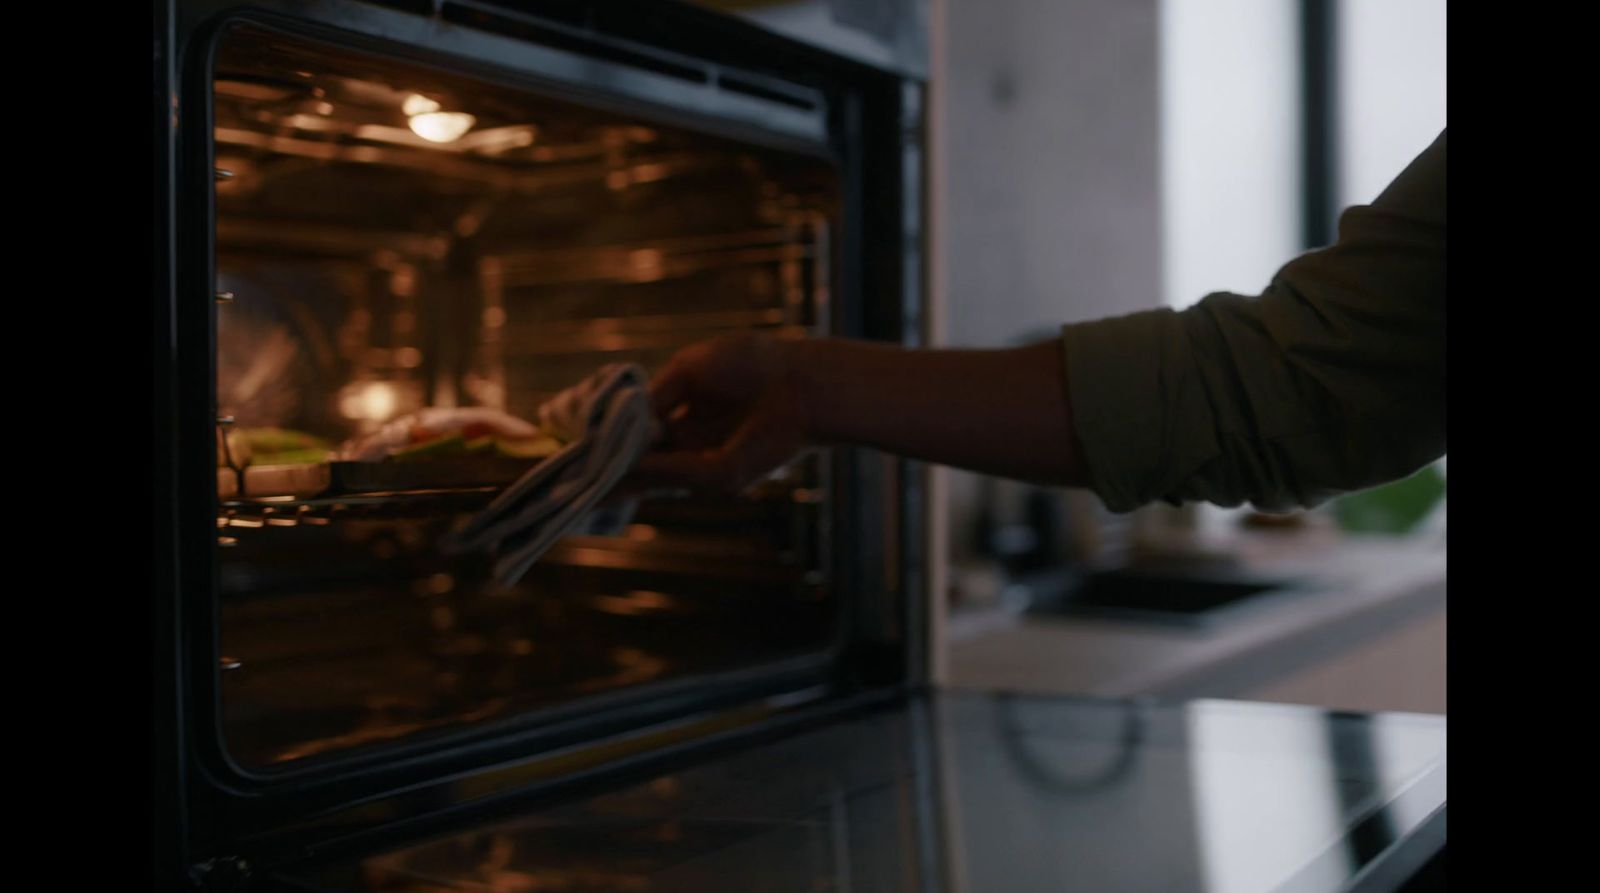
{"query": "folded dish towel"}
{"type": "Point", "coordinates": [607, 420]}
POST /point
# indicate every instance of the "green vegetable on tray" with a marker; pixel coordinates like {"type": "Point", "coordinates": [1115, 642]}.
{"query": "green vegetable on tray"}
{"type": "Point", "coordinates": [281, 440]}
{"type": "Point", "coordinates": [271, 446]}
{"type": "Point", "coordinates": [290, 457]}
{"type": "Point", "coordinates": [282, 446]}
{"type": "Point", "coordinates": [537, 448]}
{"type": "Point", "coordinates": [457, 445]}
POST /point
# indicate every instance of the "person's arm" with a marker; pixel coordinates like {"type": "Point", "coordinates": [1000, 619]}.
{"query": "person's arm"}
{"type": "Point", "coordinates": [1002, 412]}
{"type": "Point", "coordinates": [1331, 380]}
{"type": "Point", "coordinates": [739, 406]}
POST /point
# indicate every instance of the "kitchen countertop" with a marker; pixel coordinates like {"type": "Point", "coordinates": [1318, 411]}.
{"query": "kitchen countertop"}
{"type": "Point", "coordinates": [1356, 588]}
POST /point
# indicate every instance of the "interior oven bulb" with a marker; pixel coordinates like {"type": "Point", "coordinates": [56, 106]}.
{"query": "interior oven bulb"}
{"type": "Point", "coordinates": [441, 127]}
{"type": "Point", "coordinates": [417, 104]}
{"type": "Point", "coordinates": [375, 401]}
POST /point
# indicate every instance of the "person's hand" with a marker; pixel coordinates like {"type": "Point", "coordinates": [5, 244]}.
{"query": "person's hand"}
{"type": "Point", "coordinates": [732, 409]}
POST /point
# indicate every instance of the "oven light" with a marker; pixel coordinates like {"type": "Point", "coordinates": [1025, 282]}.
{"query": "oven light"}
{"type": "Point", "coordinates": [376, 401]}
{"type": "Point", "coordinates": [430, 122]}
{"type": "Point", "coordinates": [441, 127]}
{"type": "Point", "coordinates": [417, 104]}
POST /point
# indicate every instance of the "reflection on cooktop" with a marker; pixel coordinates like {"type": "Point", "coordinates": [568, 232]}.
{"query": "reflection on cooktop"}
{"type": "Point", "coordinates": [971, 792]}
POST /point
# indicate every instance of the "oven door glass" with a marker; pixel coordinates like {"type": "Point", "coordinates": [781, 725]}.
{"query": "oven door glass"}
{"type": "Point", "coordinates": [391, 237]}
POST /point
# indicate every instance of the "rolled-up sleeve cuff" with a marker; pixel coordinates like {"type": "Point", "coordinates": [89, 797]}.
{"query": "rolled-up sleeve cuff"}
{"type": "Point", "coordinates": [1125, 380]}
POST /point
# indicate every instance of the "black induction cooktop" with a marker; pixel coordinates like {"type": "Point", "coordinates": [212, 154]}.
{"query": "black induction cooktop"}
{"type": "Point", "coordinates": [983, 792]}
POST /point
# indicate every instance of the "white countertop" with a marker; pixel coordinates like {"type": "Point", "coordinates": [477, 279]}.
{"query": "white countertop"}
{"type": "Point", "coordinates": [1359, 586]}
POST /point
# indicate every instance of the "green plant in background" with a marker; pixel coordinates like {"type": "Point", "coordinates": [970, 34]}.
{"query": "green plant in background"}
{"type": "Point", "coordinates": [1396, 508]}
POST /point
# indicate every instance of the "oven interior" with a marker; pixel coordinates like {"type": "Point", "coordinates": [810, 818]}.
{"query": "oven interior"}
{"type": "Point", "coordinates": [391, 236]}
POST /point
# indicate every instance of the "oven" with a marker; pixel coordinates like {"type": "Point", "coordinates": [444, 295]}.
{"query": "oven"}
{"type": "Point", "coordinates": [373, 209]}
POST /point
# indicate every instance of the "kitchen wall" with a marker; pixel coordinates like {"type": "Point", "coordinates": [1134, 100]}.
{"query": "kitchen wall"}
{"type": "Point", "coordinates": [1047, 174]}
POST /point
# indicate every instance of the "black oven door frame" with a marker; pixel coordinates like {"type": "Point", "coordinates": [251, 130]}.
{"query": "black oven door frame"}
{"type": "Point", "coordinates": [868, 122]}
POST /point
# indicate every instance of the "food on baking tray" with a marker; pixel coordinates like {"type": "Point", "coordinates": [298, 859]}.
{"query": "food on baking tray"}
{"type": "Point", "coordinates": [488, 445]}
{"type": "Point", "coordinates": [437, 433]}
{"type": "Point", "coordinates": [535, 448]}
{"type": "Point", "coordinates": [271, 446]}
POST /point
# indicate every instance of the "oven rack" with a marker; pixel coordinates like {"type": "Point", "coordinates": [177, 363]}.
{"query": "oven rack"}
{"type": "Point", "coordinates": [670, 558]}
{"type": "Point", "coordinates": [642, 548]}
{"type": "Point", "coordinates": [288, 511]}
{"type": "Point", "coordinates": [291, 511]}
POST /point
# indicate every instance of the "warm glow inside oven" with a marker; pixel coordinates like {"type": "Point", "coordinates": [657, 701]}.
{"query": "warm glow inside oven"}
{"type": "Point", "coordinates": [391, 237]}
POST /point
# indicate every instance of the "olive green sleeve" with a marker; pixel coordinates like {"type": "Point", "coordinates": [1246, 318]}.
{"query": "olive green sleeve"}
{"type": "Point", "coordinates": [1331, 380]}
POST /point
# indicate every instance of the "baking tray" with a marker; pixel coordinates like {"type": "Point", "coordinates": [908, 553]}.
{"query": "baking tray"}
{"type": "Point", "coordinates": [352, 478]}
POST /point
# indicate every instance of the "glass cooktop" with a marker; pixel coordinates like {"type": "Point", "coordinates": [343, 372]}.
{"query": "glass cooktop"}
{"type": "Point", "coordinates": [981, 792]}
